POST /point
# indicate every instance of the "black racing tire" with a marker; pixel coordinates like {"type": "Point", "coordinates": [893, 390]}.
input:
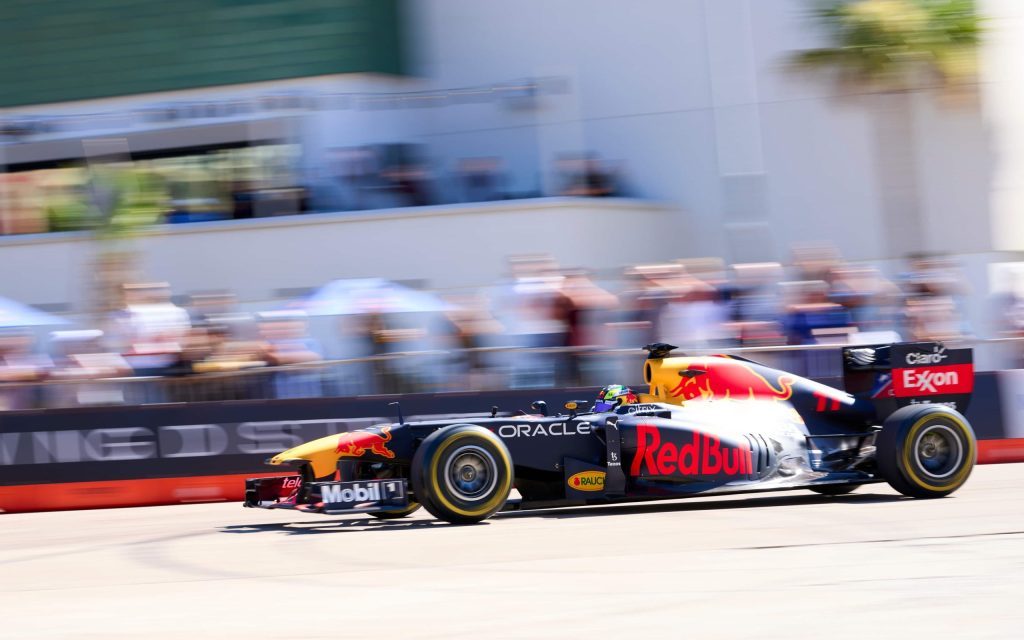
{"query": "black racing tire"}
{"type": "Point", "coordinates": [835, 489]}
{"type": "Point", "coordinates": [394, 515]}
{"type": "Point", "coordinates": [926, 451]}
{"type": "Point", "coordinates": [462, 474]}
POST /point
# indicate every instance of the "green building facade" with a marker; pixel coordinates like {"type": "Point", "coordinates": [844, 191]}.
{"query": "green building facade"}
{"type": "Point", "coordinates": [62, 50]}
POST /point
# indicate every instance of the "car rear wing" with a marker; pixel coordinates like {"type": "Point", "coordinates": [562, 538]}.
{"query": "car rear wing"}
{"type": "Point", "coordinates": [897, 375]}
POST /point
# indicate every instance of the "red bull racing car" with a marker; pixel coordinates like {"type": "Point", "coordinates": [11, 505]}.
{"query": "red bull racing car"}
{"type": "Point", "coordinates": [707, 425]}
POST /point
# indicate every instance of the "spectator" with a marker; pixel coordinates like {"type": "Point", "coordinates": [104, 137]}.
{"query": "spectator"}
{"type": "Point", "coordinates": [815, 261]}
{"type": "Point", "coordinates": [219, 309]}
{"type": "Point", "coordinates": [151, 328]}
{"type": "Point", "coordinates": [873, 301]}
{"type": "Point", "coordinates": [696, 317]}
{"type": "Point", "coordinates": [586, 176]}
{"type": "Point", "coordinates": [480, 179]}
{"type": "Point", "coordinates": [1007, 306]}
{"type": "Point", "coordinates": [358, 175]}
{"type": "Point", "coordinates": [79, 359]}
{"type": "Point", "coordinates": [20, 367]}
{"type": "Point", "coordinates": [473, 327]}
{"type": "Point", "coordinates": [934, 290]}
{"type": "Point", "coordinates": [754, 302]}
{"type": "Point", "coordinates": [409, 185]}
{"type": "Point", "coordinates": [811, 317]}
{"type": "Point", "coordinates": [582, 306]}
{"type": "Point", "coordinates": [286, 341]}
{"type": "Point", "coordinates": [242, 197]}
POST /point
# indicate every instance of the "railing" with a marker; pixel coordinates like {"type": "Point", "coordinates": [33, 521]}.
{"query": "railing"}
{"type": "Point", "coordinates": [479, 369]}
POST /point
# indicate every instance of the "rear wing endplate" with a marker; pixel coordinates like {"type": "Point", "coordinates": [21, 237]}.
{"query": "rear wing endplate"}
{"type": "Point", "coordinates": [897, 375]}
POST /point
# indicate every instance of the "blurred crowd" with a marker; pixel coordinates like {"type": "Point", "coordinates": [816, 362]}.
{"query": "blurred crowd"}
{"type": "Point", "coordinates": [398, 175]}
{"type": "Point", "coordinates": [545, 325]}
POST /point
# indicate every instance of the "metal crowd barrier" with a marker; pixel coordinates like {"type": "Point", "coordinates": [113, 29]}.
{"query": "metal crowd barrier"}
{"type": "Point", "coordinates": [479, 369]}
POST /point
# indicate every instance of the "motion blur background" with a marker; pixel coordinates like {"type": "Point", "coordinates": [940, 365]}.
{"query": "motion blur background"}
{"type": "Point", "coordinates": [234, 199]}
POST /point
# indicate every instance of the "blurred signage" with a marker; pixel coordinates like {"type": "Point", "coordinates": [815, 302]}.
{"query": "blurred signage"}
{"type": "Point", "coordinates": [121, 443]}
{"type": "Point", "coordinates": [515, 94]}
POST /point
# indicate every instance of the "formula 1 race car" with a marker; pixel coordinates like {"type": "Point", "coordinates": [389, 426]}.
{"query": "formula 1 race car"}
{"type": "Point", "coordinates": [708, 425]}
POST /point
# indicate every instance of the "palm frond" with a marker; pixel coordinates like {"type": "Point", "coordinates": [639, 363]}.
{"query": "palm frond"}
{"type": "Point", "coordinates": [892, 42]}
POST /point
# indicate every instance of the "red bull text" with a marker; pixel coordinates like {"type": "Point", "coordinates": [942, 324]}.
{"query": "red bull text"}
{"type": "Point", "coordinates": [703, 455]}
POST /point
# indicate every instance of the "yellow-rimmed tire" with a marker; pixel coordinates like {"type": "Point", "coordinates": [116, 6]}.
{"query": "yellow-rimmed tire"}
{"type": "Point", "coordinates": [926, 451]}
{"type": "Point", "coordinates": [462, 474]}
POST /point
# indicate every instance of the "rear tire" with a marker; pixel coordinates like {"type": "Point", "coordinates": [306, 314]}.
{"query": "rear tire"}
{"type": "Point", "coordinates": [462, 474]}
{"type": "Point", "coordinates": [926, 451]}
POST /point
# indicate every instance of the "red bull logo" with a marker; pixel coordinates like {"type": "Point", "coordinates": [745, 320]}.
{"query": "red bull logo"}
{"type": "Point", "coordinates": [703, 455]}
{"type": "Point", "coordinates": [355, 444]}
{"type": "Point", "coordinates": [724, 379]}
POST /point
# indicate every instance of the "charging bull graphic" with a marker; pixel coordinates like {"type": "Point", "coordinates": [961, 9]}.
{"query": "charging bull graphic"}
{"type": "Point", "coordinates": [723, 379]}
{"type": "Point", "coordinates": [355, 443]}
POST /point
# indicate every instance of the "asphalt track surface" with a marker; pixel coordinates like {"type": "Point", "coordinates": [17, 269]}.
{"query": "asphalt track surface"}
{"type": "Point", "coordinates": [783, 565]}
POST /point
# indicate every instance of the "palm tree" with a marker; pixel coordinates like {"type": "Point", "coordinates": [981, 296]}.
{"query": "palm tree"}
{"type": "Point", "coordinates": [125, 199]}
{"type": "Point", "coordinates": [888, 51]}
{"type": "Point", "coordinates": [899, 44]}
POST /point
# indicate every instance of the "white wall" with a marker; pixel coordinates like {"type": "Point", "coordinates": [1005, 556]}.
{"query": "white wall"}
{"type": "Point", "coordinates": [697, 98]}
{"type": "Point", "coordinates": [1003, 91]}
{"type": "Point", "coordinates": [446, 246]}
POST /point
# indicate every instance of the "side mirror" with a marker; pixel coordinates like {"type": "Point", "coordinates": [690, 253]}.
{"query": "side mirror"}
{"type": "Point", "coordinates": [540, 407]}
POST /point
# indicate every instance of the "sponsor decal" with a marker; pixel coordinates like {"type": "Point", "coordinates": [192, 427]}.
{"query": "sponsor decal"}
{"type": "Point", "coordinates": [640, 408]}
{"type": "Point", "coordinates": [936, 356]}
{"type": "Point", "coordinates": [729, 380]}
{"type": "Point", "coordinates": [930, 381]}
{"type": "Point", "coordinates": [355, 492]}
{"type": "Point", "coordinates": [342, 495]}
{"type": "Point", "coordinates": [587, 481]}
{"type": "Point", "coordinates": [556, 429]}
{"type": "Point", "coordinates": [883, 386]}
{"type": "Point", "coordinates": [951, 405]}
{"type": "Point", "coordinates": [703, 455]}
{"type": "Point", "coordinates": [271, 490]}
{"type": "Point", "coordinates": [355, 444]}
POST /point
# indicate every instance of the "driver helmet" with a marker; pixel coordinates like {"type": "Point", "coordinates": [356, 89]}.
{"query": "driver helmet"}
{"type": "Point", "coordinates": [612, 396]}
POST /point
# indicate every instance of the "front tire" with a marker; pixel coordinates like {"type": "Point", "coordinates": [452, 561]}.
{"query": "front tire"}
{"type": "Point", "coordinates": [462, 474]}
{"type": "Point", "coordinates": [926, 451]}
